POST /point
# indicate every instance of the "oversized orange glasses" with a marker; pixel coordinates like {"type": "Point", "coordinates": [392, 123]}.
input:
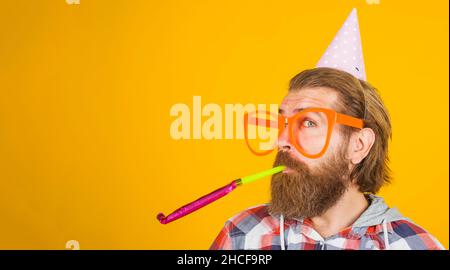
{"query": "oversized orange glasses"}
{"type": "Point", "coordinates": [309, 130]}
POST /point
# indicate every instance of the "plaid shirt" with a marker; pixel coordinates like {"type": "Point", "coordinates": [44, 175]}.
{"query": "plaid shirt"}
{"type": "Point", "coordinates": [256, 228]}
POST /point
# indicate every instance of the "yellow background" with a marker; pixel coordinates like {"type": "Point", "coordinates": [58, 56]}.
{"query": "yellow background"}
{"type": "Point", "coordinates": [85, 150]}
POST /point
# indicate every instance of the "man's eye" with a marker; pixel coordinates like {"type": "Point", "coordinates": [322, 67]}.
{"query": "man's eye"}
{"type": "Point", "coordinates": [308, 123]}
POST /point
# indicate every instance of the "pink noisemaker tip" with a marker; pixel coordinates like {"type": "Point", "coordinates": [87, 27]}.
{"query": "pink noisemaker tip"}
{"type": "Point", "coordinates": [199, 203]}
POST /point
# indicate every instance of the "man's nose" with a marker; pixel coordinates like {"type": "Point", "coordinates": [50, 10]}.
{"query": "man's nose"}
{"type": "Point", "coordinates": [284, 142]}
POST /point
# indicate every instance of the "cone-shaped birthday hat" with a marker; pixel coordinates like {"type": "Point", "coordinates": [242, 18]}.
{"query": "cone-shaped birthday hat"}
{"type": "Point", "coordinates": [345, 51]}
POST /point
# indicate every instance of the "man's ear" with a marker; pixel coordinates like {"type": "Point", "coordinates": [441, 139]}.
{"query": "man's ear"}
{"type": "Point", "coordinates": [360, 144]}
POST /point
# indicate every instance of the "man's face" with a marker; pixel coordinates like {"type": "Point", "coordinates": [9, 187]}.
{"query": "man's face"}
{"type": "Point", "coordinates": [310, 98]}
{"type": "Point", "coordinates": [308, 187]}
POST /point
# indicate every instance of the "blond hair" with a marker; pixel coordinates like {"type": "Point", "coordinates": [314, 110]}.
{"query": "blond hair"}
{"type": "Point", "coordinates": [359, 99]}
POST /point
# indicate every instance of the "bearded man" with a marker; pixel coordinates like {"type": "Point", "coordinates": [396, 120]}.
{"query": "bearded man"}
{"type": "Point", "coordinates": [333, 135]}
{"type": "Point", "coordinates": [334, 144]}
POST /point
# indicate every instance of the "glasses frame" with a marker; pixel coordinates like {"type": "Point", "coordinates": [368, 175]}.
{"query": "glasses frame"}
{"type": "Point", "coordinates": [284, 122]}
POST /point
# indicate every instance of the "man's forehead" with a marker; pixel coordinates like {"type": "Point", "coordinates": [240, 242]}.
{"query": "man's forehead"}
{"type": "Point", "coordinates": [309, 97]}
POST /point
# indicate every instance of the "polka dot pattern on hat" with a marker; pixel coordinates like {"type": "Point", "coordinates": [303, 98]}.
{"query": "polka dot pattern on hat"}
{"type": "Point", "coordinates": [345, 51]}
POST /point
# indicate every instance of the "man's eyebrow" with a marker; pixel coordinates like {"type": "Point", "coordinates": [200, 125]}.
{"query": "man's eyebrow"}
{"type": "Point", "coordinates": [281, 111]}
{"type": "Point", "coordinates": [299, 110]}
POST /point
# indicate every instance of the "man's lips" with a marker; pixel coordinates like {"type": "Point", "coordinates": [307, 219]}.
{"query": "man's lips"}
{"type": "Point", "coordinates": [288, 170]}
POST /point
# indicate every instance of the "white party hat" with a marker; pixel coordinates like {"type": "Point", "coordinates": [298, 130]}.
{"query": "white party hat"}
{"type": "Point", "coordinates": [345, 51]}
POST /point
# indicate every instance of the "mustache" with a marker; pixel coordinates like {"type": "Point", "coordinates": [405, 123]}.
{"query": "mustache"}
{"type": "Point", "coordinates": [284, 158]}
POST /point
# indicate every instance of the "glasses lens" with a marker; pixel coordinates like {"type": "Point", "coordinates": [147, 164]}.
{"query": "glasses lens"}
{"type": "Point", "coordinates": [261, 131]}
{"type": "Point", "coordinates": [310, 131]}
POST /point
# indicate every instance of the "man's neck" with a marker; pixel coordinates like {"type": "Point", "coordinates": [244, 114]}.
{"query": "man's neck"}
{"type": "Point", "coordinates": [343, 214]}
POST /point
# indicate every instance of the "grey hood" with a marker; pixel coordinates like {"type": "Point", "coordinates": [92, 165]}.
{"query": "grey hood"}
{"type": "Point", "coordinates": [377, 212]}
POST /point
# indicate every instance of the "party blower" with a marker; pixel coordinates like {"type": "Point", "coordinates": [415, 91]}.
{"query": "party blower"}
{"type": "Point", "coordinates": [215, 195]}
